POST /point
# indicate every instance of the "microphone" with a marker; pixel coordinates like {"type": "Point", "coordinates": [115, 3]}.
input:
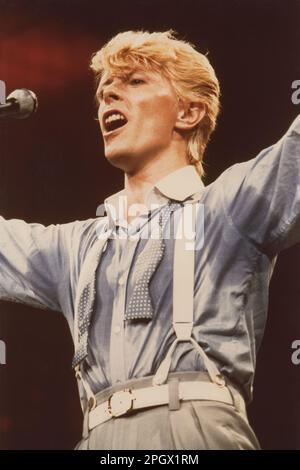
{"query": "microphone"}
{"type": "Point", "coordinates": [20, 104]}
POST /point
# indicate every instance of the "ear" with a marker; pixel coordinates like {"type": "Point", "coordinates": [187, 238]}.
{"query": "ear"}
{"type": "Point", "coordinates": [189, 115]}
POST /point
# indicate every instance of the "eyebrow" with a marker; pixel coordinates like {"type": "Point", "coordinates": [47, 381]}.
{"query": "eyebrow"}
{"type": "Point", "coordinates": [109, 80]}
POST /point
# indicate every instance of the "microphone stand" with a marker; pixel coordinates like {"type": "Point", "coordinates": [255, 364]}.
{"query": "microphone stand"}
{"type": "Point", "coordinates": [2, 91]}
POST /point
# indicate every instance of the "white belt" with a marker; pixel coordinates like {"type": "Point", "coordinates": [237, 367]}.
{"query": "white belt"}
{"type": "Point", "coordinates": [121, 402]}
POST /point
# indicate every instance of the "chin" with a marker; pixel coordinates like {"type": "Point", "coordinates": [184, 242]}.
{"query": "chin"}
{"type": "Point", "coordinates": [119, 160]}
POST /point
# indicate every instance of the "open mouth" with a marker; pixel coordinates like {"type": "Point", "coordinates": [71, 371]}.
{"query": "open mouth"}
{"type": "Point", "coordinates": [114, 120]}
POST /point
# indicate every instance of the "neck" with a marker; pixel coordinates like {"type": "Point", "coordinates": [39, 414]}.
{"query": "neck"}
{"type": "Point", "coordinates": [139, 182]}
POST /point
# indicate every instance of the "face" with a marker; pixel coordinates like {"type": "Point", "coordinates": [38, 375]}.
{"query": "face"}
{"type": "Point", "coordinates": [137, 115]}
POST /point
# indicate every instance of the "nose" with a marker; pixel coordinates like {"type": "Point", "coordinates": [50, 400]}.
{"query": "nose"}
{"type": "Point", "coordinates": [110, 94]}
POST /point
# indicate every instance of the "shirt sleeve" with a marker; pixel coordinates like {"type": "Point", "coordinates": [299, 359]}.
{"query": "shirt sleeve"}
{"type": "Point", "coordinates": [262, 196]}
{"type": "Point", "coordinates": [39, 265]}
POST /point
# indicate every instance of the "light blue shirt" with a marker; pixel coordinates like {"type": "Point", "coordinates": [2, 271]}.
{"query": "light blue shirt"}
{"type": "Point", "coordinates": [251, 213]}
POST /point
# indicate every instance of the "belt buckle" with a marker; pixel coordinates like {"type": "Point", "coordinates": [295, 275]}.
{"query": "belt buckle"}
{"type": "Point", "coordinates": [119, 403]}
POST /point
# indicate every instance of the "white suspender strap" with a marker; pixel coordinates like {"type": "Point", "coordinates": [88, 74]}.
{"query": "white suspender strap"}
{"type": "Point", "coordinates": [88, 265]}
{"type": "Point", "coordinates": [90, 397]}
{"type": "Point", "coordinates": [183, 273]}
{"type": "Point", "coordinates": [183, 294]}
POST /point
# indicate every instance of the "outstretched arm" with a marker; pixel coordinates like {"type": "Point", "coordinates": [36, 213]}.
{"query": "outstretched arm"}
{"type": "Point", "coordinates": [262, 196]}
{"type": "Point", "coordinates": [39, 265]}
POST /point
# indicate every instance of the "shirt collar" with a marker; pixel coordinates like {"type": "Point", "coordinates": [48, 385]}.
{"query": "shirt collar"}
{"type": "Point", "coordinates": [179, 185]}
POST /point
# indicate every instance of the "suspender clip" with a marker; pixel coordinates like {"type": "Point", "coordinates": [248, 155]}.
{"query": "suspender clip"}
{"type": "Point", "coordinates": [92, 402]}
{"type": "Point", "coordinates": [78, 372]}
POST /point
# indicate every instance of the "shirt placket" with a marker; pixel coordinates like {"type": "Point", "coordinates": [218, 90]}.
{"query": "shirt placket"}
{"type": "Point", "coordinates": [125, 249]}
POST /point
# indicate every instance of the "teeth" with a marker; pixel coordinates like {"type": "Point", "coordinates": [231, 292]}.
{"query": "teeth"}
{"type": "Point", "coordinates": [114, 117]}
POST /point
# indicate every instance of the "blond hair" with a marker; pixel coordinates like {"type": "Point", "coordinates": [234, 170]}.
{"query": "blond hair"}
{"type": "Point", "coordinates": [190, 73]}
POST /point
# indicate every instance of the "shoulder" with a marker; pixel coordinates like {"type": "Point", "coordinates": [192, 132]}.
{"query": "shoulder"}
{"type": "Point", "coordinates": [83, 233]}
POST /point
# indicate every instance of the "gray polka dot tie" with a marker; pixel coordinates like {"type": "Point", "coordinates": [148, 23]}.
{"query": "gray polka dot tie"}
{"type": "Point", "coordinates": [140, 304]}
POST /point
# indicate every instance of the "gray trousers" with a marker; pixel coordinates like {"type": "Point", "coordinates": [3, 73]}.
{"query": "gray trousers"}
{"type": "Point", "coordinates": [196, 425]}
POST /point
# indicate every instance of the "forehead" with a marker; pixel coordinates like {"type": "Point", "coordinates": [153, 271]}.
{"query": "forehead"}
{"type": "Point", "coordinates": [123, 74]}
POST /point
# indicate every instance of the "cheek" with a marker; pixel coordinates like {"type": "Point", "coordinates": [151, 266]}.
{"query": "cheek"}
{"type": "Point", "coordinates": [160, 112]}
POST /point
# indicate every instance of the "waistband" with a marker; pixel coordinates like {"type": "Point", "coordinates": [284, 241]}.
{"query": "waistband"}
{"type": "Point", "coordinates": [143, 382]}
{"type": "Point", "coordinates": [136, 394]}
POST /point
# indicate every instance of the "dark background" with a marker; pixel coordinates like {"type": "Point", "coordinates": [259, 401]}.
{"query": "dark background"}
{"type": "Point", "coordinates": [53, 170]}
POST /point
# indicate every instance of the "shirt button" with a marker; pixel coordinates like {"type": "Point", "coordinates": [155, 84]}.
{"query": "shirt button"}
{"type": "Point", "coordinates": [117, 329]}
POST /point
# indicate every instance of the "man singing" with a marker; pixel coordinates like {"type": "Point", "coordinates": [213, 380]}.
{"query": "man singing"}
{"type": "Point", "coordinates": [166, 327]}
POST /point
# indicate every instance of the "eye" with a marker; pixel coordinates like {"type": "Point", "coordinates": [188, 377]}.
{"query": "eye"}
{"type": "Point", "coordinates": [136, 81]}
